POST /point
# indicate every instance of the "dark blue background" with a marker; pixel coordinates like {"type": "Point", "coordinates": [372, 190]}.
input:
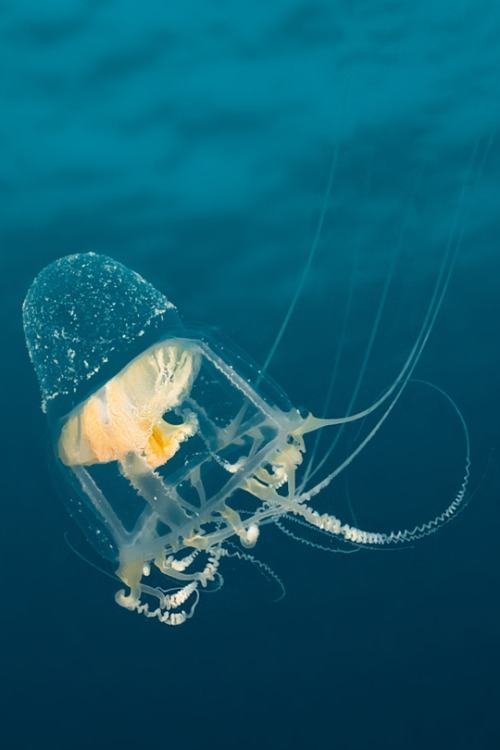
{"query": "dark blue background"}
{"type": "Point", "coordinates": [192, 141]}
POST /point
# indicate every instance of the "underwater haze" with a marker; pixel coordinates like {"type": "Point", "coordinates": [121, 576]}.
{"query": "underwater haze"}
{"type": "Point", "coordinates": [240, 156]}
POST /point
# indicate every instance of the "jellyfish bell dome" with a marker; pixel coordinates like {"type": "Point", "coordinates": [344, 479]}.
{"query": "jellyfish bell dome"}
{"type": "Point", "coordinates": [86, 317]}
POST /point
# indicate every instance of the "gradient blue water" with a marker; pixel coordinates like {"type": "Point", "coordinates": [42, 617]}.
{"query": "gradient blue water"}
{"type": "Point", "coordinates": [192, 141]}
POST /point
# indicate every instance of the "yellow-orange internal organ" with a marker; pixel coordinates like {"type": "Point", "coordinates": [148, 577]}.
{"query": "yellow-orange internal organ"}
{"type": "Point", "coordinates": [126, 414]}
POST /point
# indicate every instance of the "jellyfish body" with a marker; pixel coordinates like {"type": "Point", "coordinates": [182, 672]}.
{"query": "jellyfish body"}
{"type": "Point", "coordinates": [170, 443]}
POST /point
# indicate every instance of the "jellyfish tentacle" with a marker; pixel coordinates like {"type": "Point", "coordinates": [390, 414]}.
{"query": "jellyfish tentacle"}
{"type": "Point", "coordinates": [276, 504]}
{"type": "Point", "coordinates": [167, 603]}
{"type": "Point", "coordinates": [305, 271]}
{"type": "Point", "coordinates": [263, 568]}
{"type": "Point", "coordinates": [333, 525]}
{"type": "Point", "coordinates": [371, 340]}
{"type": "Point", "coordinates": [441, 285]}
{"type": "Point", "coordinates": [309, 542]}
{"type": "Point", "coordinates": [168, 608]}
{"type": "Point", "coordinates": [184, 563]}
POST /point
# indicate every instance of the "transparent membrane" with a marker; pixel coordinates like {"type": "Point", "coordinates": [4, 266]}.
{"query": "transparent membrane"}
{"type": "Point", "coordinates": [171, 444]}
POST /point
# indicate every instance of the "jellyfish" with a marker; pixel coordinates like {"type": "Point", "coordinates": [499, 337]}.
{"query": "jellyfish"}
{"type": "Point", "coordinates": [172, 446]}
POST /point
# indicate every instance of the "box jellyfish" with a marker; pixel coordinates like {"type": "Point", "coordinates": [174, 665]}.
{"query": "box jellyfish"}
{"type": "Point", "coordinates": [173, 447]}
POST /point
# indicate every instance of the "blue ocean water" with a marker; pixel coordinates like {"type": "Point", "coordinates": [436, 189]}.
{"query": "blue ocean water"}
{"type": "Point", "coordinates": [193, 142]}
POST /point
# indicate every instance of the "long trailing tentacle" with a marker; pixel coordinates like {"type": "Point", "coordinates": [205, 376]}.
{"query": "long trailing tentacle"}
{"type": "Point", "coordinates": [263, 568]}
{"type": "Point", "coordinates": [312, 469]}
{"type": "Point", "coordinates": [333, 525]}
{"type": "Point", "coordinates": [395, 390]}
{"type": "Point", "coordinates": [309, 542]}
{"type": "Point", "coordinates": [306, 269]}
